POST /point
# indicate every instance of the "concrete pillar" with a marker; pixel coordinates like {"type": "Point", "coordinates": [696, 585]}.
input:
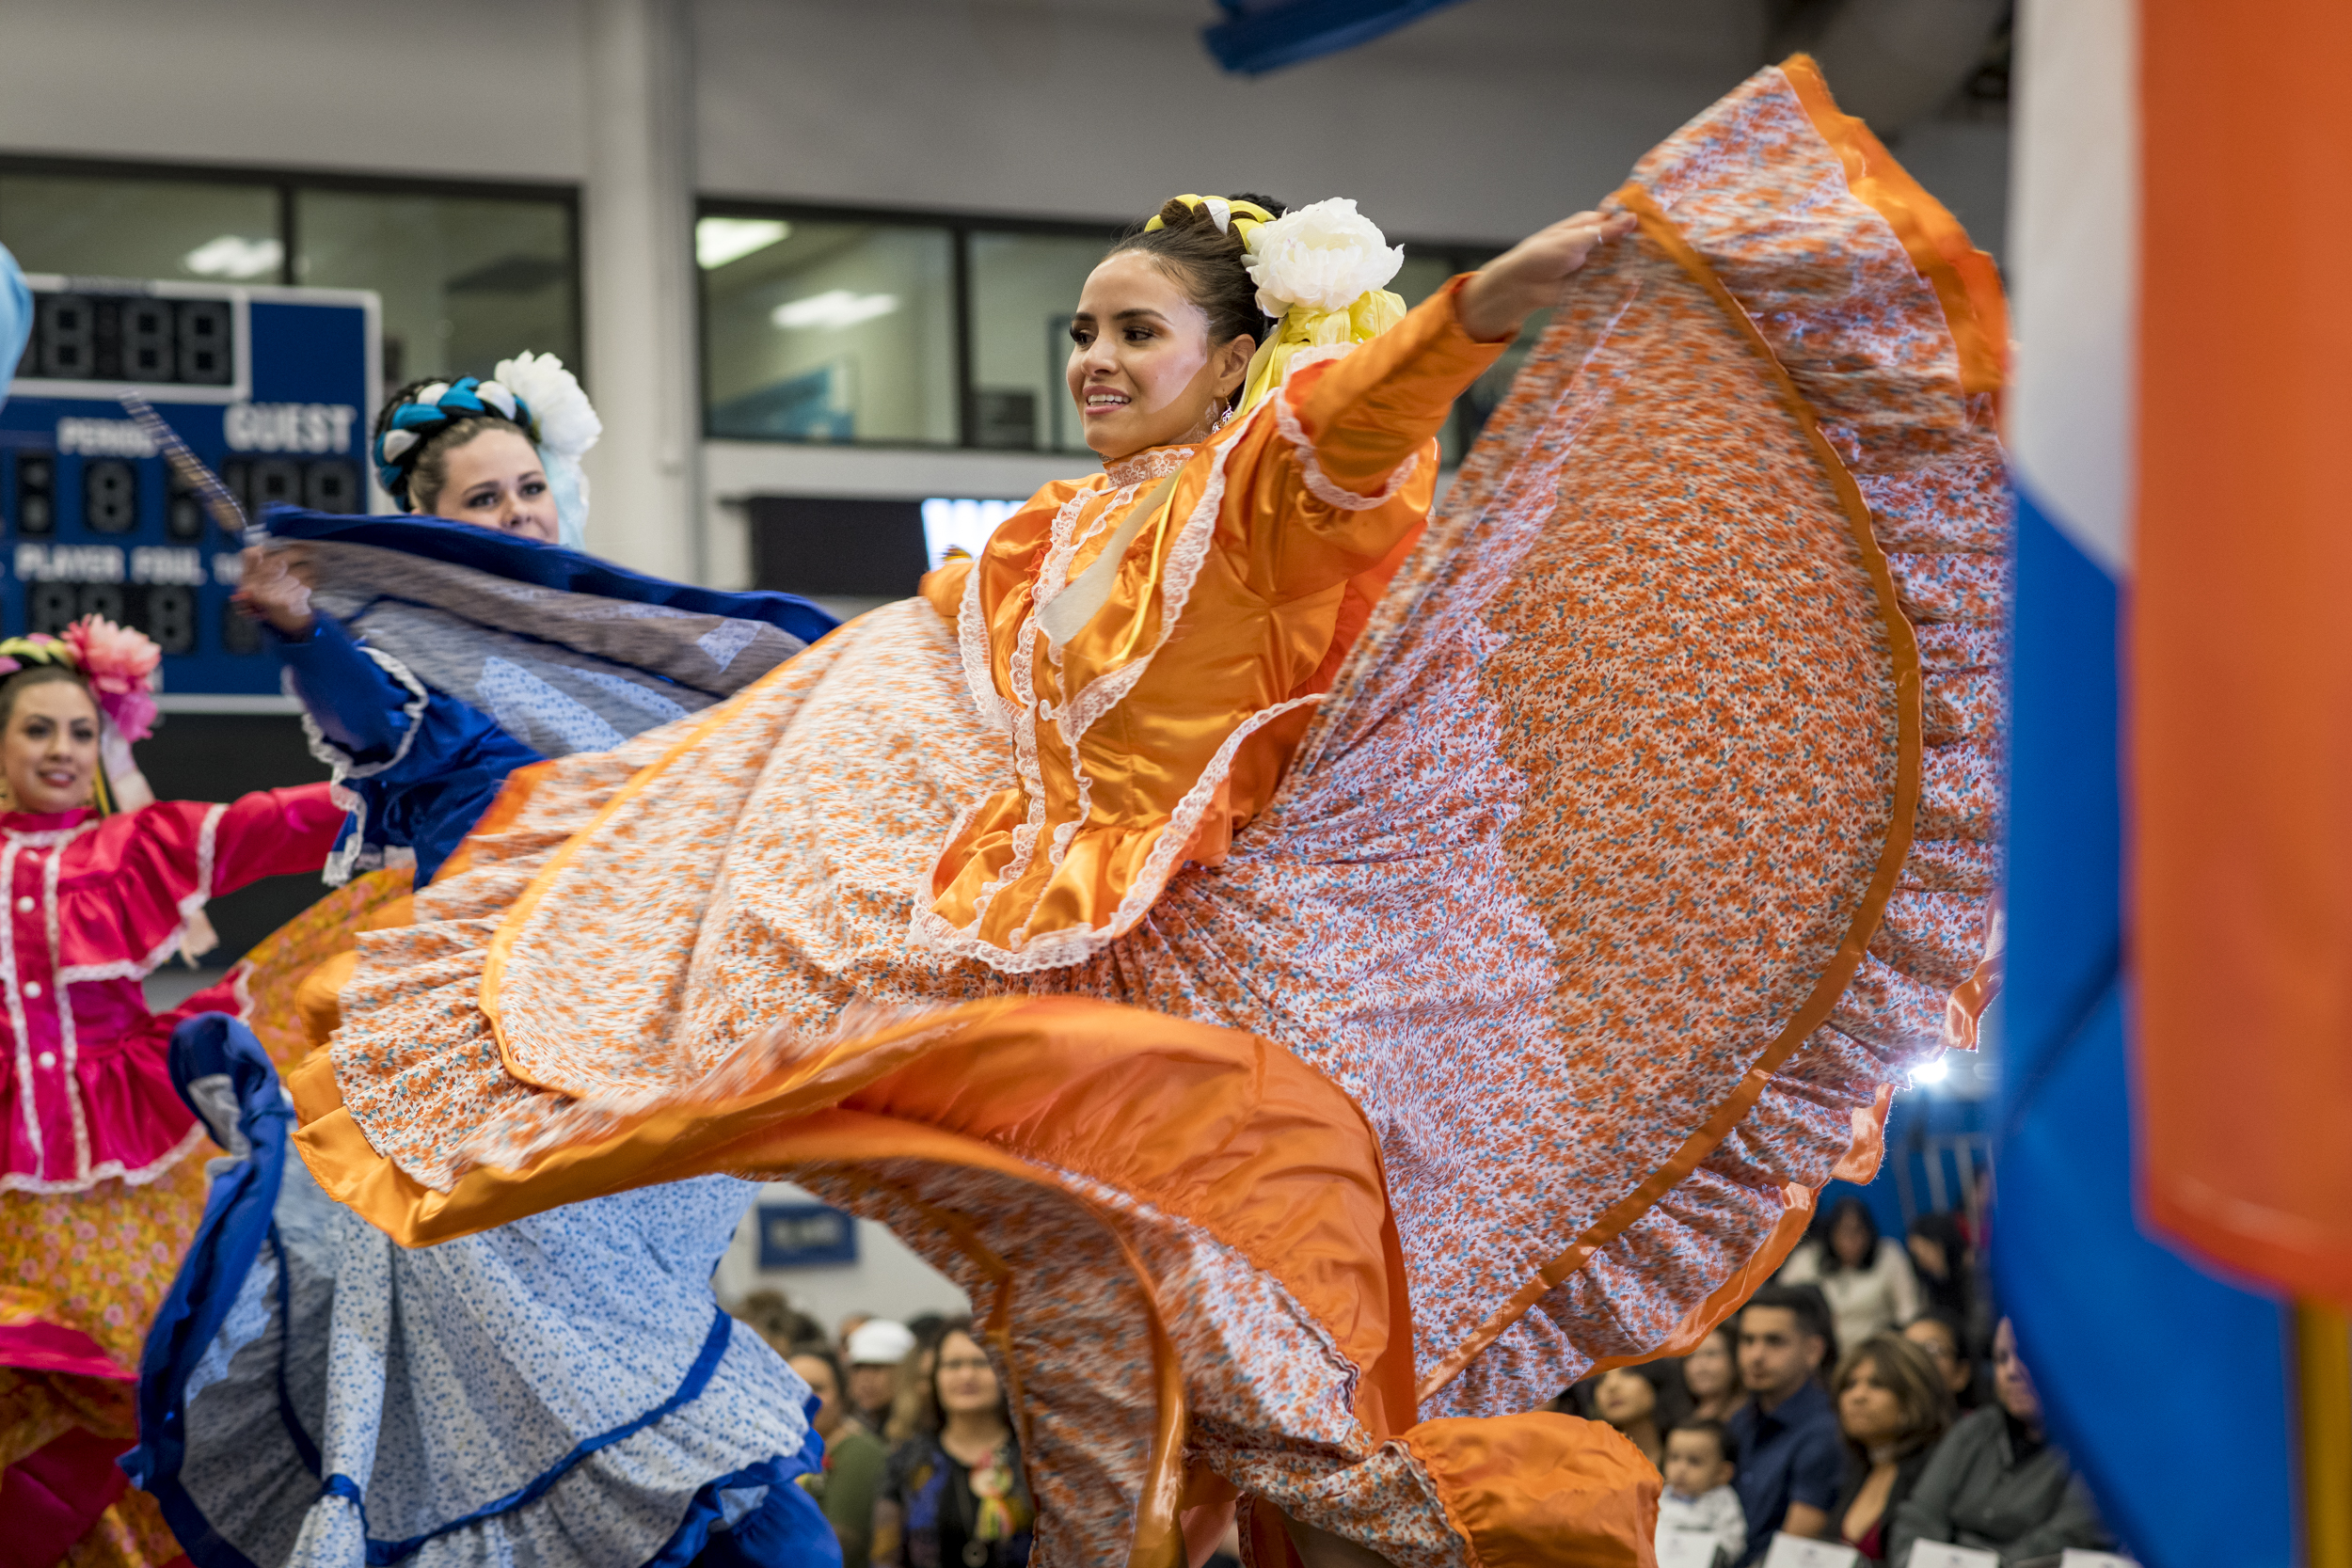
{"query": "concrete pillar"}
{"type": "Point", "coordinates": [637, 268]}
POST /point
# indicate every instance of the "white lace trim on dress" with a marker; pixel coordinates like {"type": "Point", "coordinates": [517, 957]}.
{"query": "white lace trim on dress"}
{"type": "Point", "coordinates": [1320, 484]}
{"type": "Point", "coordinates": [1073, 719]}
{"type": "Point", "coordinates": [63, 977]}
{"type": "Point", "coordinates": [352, 854]}
{"type": "Point", "coordinates": [112, 1170]}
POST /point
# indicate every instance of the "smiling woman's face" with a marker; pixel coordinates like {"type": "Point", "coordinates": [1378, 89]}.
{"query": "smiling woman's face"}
{"type": "Point", "coordinates": [1141, 368]}
{"type": "Point", "coordinates": [49, 751]}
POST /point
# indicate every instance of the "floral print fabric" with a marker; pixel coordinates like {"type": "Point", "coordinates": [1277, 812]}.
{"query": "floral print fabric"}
{"type": "Point", "coordinates": [1628, 864]}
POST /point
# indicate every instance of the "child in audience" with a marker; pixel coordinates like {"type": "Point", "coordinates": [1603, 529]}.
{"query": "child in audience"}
{"type": "Point", "coordinates": [1698, 1495]}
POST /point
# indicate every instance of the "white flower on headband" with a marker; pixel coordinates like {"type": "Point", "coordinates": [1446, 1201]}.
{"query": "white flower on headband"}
{"type": "Point", "coordinates": [568, 426]}
{"type": "Point", "coordinates": [1325, 256]}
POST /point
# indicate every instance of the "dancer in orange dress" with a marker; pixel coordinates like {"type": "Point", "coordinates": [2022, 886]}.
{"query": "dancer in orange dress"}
{"type": "Point", "coordinates": [1321, 983]}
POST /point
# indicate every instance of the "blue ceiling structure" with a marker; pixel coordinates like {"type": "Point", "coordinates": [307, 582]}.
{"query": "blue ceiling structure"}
{"type": "Point", "coordinates": [1259, 36]}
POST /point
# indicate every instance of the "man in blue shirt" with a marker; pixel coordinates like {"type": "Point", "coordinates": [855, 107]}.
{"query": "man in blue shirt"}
{"type": "Point", "coordinates": [1785, 1438]}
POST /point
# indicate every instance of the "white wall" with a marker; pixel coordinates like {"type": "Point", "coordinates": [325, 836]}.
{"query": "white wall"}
{"type": "Point", "coordinates": [1477, 123]}
{"type": "Point", "coordinates": [1964, 165]}
{"type": "Point", "coordinates": [426, 86]}
{"type": "Point", "coordinates": [888, 1279]}
{"type": "Point", "coordinates": [1481, 122]}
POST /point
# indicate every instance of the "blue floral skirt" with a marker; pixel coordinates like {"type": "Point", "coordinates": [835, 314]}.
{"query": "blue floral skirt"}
{"type": "Point", "coordinates": [561, 1392]}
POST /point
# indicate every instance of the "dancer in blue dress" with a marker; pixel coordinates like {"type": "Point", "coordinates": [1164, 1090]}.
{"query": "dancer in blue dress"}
{"type": "Point", "coordinates": [564, 1391]}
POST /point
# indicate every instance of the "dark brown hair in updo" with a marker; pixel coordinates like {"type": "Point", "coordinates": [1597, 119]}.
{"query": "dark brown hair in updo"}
{"type": "Point", "coordinates": [1208, 262]}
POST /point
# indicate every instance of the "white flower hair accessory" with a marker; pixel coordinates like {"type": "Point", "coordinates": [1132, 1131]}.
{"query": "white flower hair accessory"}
{"type": "Point", "coordinates": [1320, 268]}
{"type": "Point", "coordinates": [568, 426]}
{"type": "Point", "coordinates": [1324, 257]}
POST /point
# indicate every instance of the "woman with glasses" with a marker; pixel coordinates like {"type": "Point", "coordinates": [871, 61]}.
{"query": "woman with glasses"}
{"type": "Point", "coordinates": [954, 1496]}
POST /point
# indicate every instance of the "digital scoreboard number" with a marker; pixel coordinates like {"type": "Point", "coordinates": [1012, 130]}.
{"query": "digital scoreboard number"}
{"type": "Point", "coordinates": [136, 338]}
{"type": "Point", "coordinates": [273, 388]}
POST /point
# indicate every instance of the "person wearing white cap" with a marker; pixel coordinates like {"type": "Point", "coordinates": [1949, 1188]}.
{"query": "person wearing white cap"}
{"type": "Point", "coordinates": [876, 1348]}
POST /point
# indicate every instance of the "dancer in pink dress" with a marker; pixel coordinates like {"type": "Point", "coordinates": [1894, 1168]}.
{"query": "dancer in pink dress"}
{"type": "Point", "coordinates": [100, 1184]}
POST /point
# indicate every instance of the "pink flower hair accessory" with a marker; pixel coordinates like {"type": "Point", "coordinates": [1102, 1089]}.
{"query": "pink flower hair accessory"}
{"type": "Point", "coordinates": [119, 664]}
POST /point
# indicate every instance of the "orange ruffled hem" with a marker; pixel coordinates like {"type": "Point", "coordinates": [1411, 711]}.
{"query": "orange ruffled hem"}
{"type": "Point", "coordinates": [1239, 1140]}
{"type": "Point", "coordinates": [824, 787]}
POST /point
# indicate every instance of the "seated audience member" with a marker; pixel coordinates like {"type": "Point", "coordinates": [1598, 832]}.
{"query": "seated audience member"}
{"type": "Point", "coordinates": [854, 1457]}
{"type": "Point", "coordinates": [910, 1394]}
{"type": "Point", "coordinates": [1938, 1332]}
{"type": "Point", "coordinates": [1641, 1402]}
{"type": "Point", "coordinates": [1865, 1277]}
{"type": "Point", "coordinates": [1785, 1439]}
{"type": "Point", "coordinates": [1893, 1408]}
{"type": "Point", "coordinates": [776, 1321]}
{"type": "Point", "coordinates": [1942, 1261]}
{"type": "Point", "coordinates": [1996, 1483]}
{"type": "Point", "coordinates": [877, 1346]}
{"type": "Point", "coordinates": [1711, 1376]}
{"type": "Point", "coordinates": [1699, 1495]}
{"type": "Point", "coordinates": [1951, 1280]}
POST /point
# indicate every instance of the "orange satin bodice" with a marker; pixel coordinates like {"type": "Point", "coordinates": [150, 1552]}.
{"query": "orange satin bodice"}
{"type": "Point", "coordinates": [1153, 696]}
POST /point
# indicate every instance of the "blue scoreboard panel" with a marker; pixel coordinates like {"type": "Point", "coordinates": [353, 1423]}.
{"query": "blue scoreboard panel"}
{"type": "Point", "coordinates": [272, 388]}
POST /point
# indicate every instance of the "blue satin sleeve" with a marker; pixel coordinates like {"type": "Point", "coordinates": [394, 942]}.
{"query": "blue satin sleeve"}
{"type": "Point", "coordinates": [421, 766]}
{"type": "Point", "coordinates": [358, 705]}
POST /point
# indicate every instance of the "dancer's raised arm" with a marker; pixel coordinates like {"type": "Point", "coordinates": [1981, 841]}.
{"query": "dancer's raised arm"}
{"type": "Point", "coordinates": [1533, 275]}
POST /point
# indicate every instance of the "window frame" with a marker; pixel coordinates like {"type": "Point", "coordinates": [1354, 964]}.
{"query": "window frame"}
{"type": "Point", "coordinates": [960, 226]}
{"type": "Point", "coordinates": [288, 182]}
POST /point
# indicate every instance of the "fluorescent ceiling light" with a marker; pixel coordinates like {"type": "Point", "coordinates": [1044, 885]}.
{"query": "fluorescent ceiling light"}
{"type": "Point", "coordinates": [234, 256]}
{"type": "Point", "coordinates": [1931, 1073]}
{"type": "Point", "coordinates": [833, 307]}
{"type": "Point", "coordinates": [718, 241]}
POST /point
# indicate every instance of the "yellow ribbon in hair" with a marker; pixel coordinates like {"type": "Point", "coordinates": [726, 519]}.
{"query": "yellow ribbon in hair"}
{"type": "Point", "coordinates": [1371, 314]}
{"type": "Point", "coordinates": [1235, 217]}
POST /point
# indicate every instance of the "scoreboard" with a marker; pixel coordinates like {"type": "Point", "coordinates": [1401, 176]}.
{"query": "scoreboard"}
{"type": "Point", "coordinates": [273, 388]}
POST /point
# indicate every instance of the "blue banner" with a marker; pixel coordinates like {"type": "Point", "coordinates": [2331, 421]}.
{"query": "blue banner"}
{"type": "Point", "coordinates": [1267, 34]}
{"type": "Point", "coordinates": [2164, 1382]}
